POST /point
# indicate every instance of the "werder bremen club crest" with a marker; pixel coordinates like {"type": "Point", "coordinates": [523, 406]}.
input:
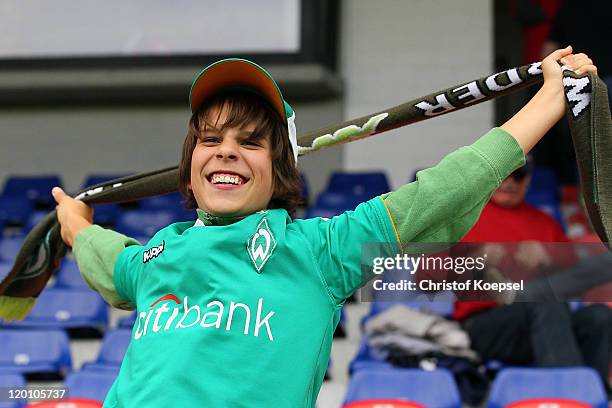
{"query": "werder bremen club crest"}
{"type": "Point", "coordinates": [261, 245]}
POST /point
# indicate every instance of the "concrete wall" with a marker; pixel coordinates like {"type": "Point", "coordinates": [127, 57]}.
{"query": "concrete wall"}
{"type": "Point", "coordinates": [75, 142]}
{"type": "Point", "coordinates": [393, 51]}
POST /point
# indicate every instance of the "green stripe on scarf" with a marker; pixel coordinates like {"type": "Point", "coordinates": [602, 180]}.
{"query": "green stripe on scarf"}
{"type": "Point", "coordinates": [15, 308]}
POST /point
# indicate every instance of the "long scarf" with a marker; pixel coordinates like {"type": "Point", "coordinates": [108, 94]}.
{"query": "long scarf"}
{"type": "Point", "coordinates": [587, 111]}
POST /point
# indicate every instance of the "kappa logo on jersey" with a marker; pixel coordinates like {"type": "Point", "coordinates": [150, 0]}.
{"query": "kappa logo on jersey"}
{"type": "Point", "coordinates": [261, 245]}
{"type": "Point", "coordinates": [153, 252]}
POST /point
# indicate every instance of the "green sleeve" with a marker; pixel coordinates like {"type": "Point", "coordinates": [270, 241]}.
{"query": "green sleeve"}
{"type": "Point", "coordinates": [343, 247]}
{"type": "Point", "coordinates": [445, 201]}
{"type": "Point", "coordinates": [96, 251]}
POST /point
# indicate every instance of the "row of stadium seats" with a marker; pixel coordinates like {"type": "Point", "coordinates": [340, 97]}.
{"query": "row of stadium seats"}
{"type": "Point", "coordinates": [84, 389]}
{"type": "Point", "coordinates": [404, 388]}
{"type": "Point", "coordinates": [45, 353]}
{"type": "Point", "coordinates": [25, 200]}
{"type": "Point", "coordinates": [22, 196]}
{"type": "Point", "coordinates": [38, 188]}
{"type": "Point", "coordinates": [577, 387]}
{"type": "Point", "coordinates": [20, 212]}
{"type": "Point", "coordinates": [67, 308]}
{"type": "Point", "coordinates": [345, 191]}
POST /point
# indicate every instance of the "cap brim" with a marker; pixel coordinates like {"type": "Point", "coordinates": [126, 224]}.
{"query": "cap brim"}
{"type": "Point", "coordinates": [235, 73]}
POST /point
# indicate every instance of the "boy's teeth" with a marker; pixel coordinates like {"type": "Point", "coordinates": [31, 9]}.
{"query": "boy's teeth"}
{"type": "Point", "coordinates": [227, 179]}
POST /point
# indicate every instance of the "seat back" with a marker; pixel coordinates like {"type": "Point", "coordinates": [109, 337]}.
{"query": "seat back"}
{"type": "Point", "coordinates": [370, 184]}
{"type": "Point", "coordinates": [35, 188]}
{"type": "Point", "coordinates": [166, 202]}
{"type": "Point", "coordinates": [67, 308]}
{"type": "Point", "coordinates": [30, 351]}
{"type": "Point", "coordinates": [15, 210]}
{"type": "Point", "coordinates": [9, 247]}
{"type": "Point", "coordinates": [114, 346]}
{"type": "Point", "coordinates": [143, 223]}
{"type": "Point", "coordinates": [519, 387]}
{"type": "Point", "coordinates": [340, 201]}
{"type": "Point", "coordinates": [127, 322]}
{"type": "Point", "coordinates": [69, 276]}
{"type": "Point", "coordinates": [432, 389]}
{"type": "Point", "coordinates": [90, 384]}
{"type": "Point", "coordinates": [12, 382]}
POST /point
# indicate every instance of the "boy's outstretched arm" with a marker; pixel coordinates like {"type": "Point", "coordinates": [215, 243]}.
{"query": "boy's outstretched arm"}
{"type": "Point", "coordinates": [96, 249]}
{"type": "Point", "coordinates": [447, 199]}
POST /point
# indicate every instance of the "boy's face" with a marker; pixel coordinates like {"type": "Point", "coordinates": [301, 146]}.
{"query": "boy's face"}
{"type": "Point", "coordinates": [231, 174]}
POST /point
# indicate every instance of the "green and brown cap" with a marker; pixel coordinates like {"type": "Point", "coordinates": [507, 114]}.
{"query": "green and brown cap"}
{"type": "Point", "coordinates": [237, 73]}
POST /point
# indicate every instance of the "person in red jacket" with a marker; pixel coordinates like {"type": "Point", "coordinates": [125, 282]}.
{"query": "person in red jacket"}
{"type": "Point", "coordinates": [541, 334]}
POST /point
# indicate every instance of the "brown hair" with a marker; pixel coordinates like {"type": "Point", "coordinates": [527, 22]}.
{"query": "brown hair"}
{"type": "Point", "coordinates": [245, 107]}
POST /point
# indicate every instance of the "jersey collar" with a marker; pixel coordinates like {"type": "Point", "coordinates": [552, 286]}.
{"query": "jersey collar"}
{"type": "Point", "coordinates": [206, 219]}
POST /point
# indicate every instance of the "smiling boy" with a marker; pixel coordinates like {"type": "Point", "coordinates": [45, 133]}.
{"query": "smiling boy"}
{"type": "Point", "coordinates": [239, 307]}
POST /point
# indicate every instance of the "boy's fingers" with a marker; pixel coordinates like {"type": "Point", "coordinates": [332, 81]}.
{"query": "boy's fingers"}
{"type": "Point", "coordinates": [58, 194]}
{"type": "Point", "coordinates": [558, 54]}
{"type": "Point", "coordinates": [586, 68]}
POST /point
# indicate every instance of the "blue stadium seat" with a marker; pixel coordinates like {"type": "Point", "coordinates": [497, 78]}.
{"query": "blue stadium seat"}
{"type": "Point", "coordinates": [35, 351]}
{"type": "Point", "coordinates": [341, 329]}
{"type": "Point", "coordinates": [357, 365]}
{"type": "Point", "coordinates": [11, 381]}
{"type": "Point", "coordinates": [106, 214]}
{"type": "Point", "coordinates": [369, 184]}
{"type": "Point", "coordinates": [143, 223]}
{"type": "Point", "coordinates": [36, 188]}
{"type": "Point", "coordinates": [67, 309]}
{"type": "Point", "coordinates": [441, 308]}
{"type": "Point", "coordinates": [127, 322]}
{"type": "Point", "coordinates": [33, 220]}
{"type": "Point", "coordinates": [5, 268]}
{"type": "Point", "coordinates": [321, 212]}
{"type": "Point", "coordinates": [183, 214]}
{"type": "Point", "coordinates": [433, 389]}
{"type": "Point", "coordinates": [513, 385]}
{"type": "Point", "coordinates": [440, 303]}
{"type": "Point", "coordinates": [90, 385]}
{"type": "Point", "coordinates": [544, 179]}
{"type": "Point", "coordinates": [15, 210]}
{"type": "Point", "coordinates": [101, 368]}
{"type": "Point", "coordinates": [544, 192]}
{"type": "Point", "coordinates": [166, 202]}
{"type": "Point", "coordinates": [141, 238]}
{"type": "Point", "coordinates": [340, 201]}
{"type": "Point", "coordinates": [114, 346]}
{"type": "Point", "coordinates": [9, 246]}
{"type": "Point", "coordinates": [365, 357]}
{"type": "Point", "coordinates": [69, 276]}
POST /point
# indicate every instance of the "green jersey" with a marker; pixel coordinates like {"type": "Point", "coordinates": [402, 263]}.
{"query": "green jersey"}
{"type": "Point", "coordinates": [243, 314]}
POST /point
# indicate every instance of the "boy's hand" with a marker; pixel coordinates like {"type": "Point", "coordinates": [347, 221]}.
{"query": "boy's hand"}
{"type": "Point", "coordinates": [72, 215]}
{"type": "Point", "coordinates": [579, 63]}
{"type": "Point", "coordinates": [545, 109]}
